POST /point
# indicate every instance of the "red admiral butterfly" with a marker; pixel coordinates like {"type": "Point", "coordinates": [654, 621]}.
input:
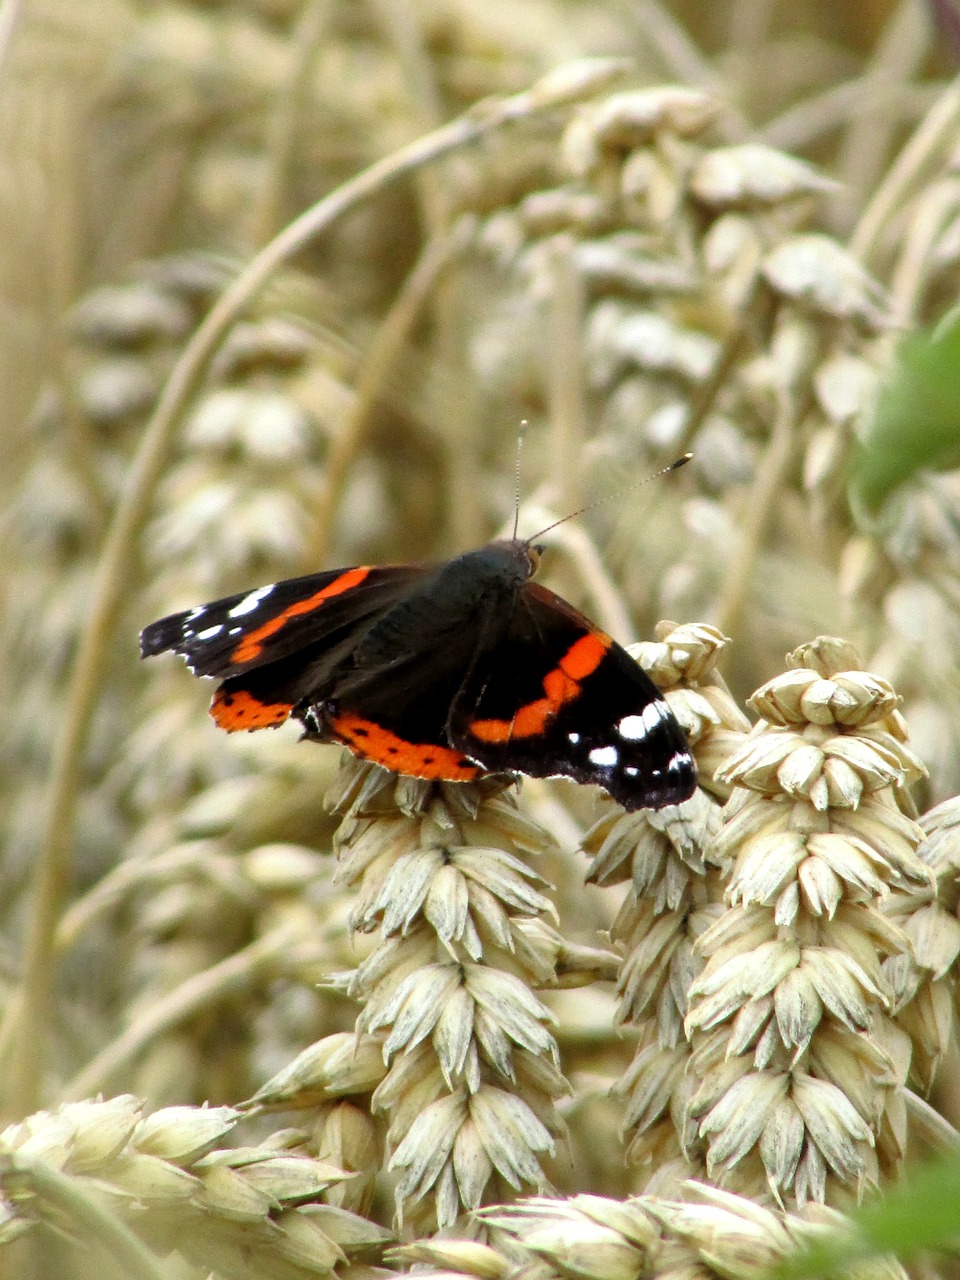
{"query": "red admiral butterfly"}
{"type": "Point", "coordinates": [439, 671]}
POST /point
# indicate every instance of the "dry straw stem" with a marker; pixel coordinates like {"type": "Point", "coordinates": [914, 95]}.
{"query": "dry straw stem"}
{"type": "Point", "coordinates": [228, 930]}
{"type": "Point", "coordinates": [911, 168]}
{"type": "Point", "coordinates": [936, 210]}
{"type": "Point", "coordinates": [566, 392]}
{"type": "Point", "coordinates": [110, 1178]}
{"type": "Point", "coordinates": [803, 123]}
{"type": "Point", "coordinates": [732, 348]}
{"type": "Point", "coordinates": [764, 496]}
{"type": "Point", "coordinates": [865, 147]}
{"type": "Point", "coordinates": [464, 937]}
{"type": "Point", "coordinates": [406, 309]}
{"type": "Point", "coordinates": [115, 887]}
{"type": "Point", "coordinates": [403, 26]}
{"type": "Point", "coordinates": [32, 1009]}
{"type": "Point", "coordinates": [281, 139]}
{"type": "Point", "coordinates": [235, 973]}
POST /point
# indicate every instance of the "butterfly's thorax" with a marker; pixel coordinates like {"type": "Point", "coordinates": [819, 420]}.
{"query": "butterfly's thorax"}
{"type": "Point", "coordinates": [460, 594]}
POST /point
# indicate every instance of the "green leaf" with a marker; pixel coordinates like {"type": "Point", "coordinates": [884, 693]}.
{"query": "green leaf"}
{"type": "Point", "coordinates": [916, 421]}
{"type": "Point", "coordinates": [923, 1213]}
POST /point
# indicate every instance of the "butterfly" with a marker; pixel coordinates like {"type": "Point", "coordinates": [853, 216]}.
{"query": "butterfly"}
{"type": "Point", "coordinates": [443, 671]}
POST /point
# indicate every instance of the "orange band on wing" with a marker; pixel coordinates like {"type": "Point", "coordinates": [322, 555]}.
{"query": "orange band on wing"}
{"type": "Point", "coordinates": [237, 709]}
{"type": "Point", "coordinates": [416, 759]}
{"type": "Point", "coordinates": [251, 646]}
{"type": "Point", "coordinates": [585, 655]}
{"type": "Point", "coordinates": [561, 685]}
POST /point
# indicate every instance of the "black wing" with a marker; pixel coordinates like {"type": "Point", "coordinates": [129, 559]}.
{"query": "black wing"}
{"type": "Point", "coordinates": [279, 645]}
{"type": "Point", "coordinates": [254, 628]}
{"type": "Point", "coordinates": [556, 696]}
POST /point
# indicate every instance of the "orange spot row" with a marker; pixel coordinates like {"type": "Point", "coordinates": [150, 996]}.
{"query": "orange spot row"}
{"type": "Point", "coordinates": [251, 646]}
{"type": "Point", "coordinates": [234, 710]}
{"type": "Point", "coordinates": [416, 759]}
{"type": "Point", "coordinates": [561, 685]}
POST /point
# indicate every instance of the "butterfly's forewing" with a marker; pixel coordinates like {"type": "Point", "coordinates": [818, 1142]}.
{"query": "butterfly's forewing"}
{"type": "Point", "coordinates": [556, 696]}
{"type": "Point", "coordinates": [254, 628]}
{"type": "Point", "coordinates": [280, 643]}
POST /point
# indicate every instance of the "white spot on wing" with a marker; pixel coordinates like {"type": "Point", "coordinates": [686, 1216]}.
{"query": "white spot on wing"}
{"type": "Point", "coordinates": [604, 756]}
{"type": "Point", "coordinates": [654, 713]}
{"type": "Point", "coordinates": [631, 771]}
{"type": "Point", "coordinates": [637, 727]}
{"type": "Point", "coordinates": [573, 738]}
{"type": "Point", "coordinates": [209, 632]}
{"type": "Point", "coordinates": [250, 602]}
{"type": "Point", "coordinates": [631, 728]}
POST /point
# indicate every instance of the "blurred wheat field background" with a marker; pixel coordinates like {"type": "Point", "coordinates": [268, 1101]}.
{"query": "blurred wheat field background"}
{"type": "Point", "coordinates": [280, 281]}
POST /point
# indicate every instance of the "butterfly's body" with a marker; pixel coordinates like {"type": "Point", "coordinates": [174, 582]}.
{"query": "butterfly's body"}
{"type": "Point", "coordinates": [439, 671]}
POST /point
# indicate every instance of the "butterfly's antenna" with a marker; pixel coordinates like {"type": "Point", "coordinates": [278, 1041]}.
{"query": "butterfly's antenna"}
{"type": "Point", "coordinates": [674, 466]}
{"type": "Point", "coordinates": [516, 499]}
